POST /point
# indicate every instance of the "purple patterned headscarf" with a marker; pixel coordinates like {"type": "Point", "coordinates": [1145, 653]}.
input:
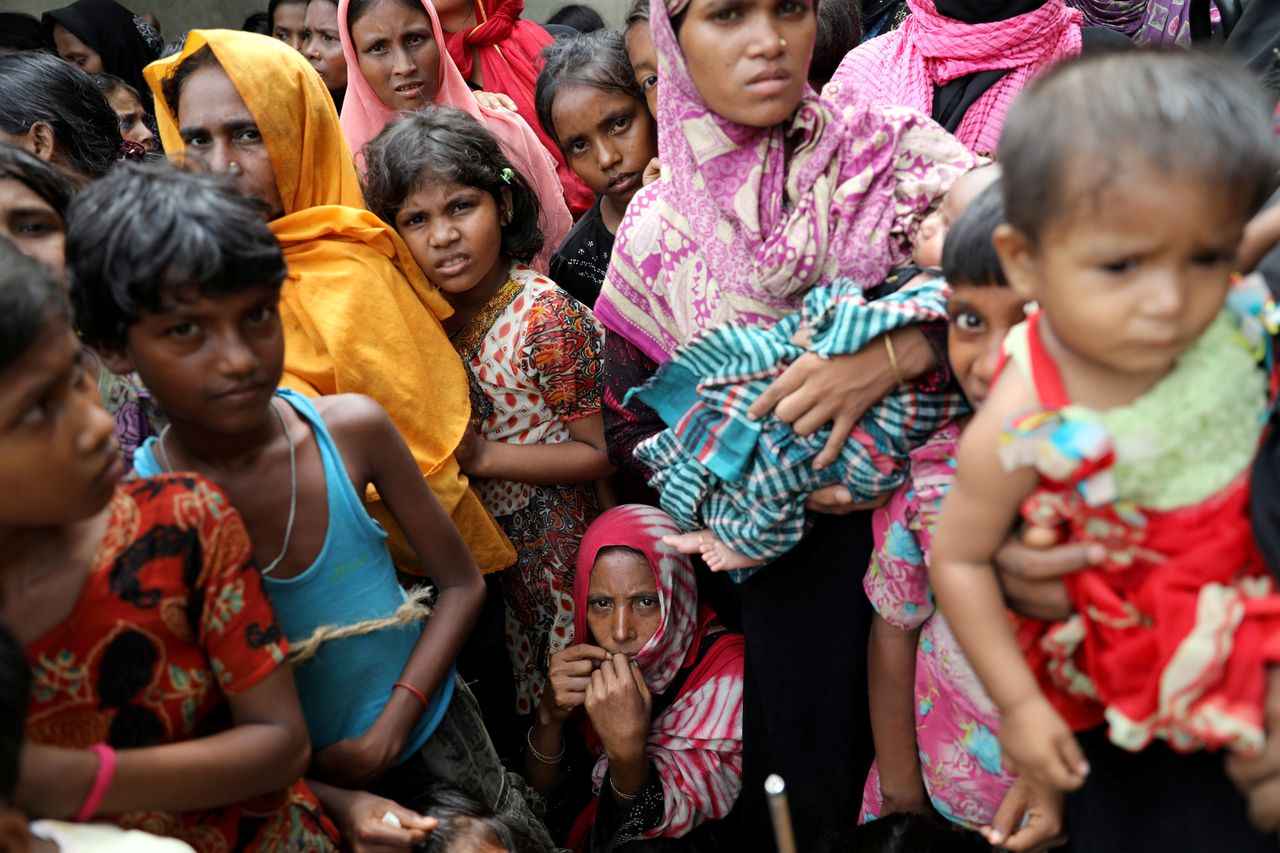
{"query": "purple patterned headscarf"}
{"type": "Point", "coordinates": [1147, 22]}
{"type": "Point", "coordinates": [736, 231]}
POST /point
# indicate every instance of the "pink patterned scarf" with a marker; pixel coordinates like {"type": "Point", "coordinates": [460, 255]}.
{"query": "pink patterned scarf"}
{"type": "Point", "coordinates": [696, 743]}
{"type": "Point", "coordinates": [738, 232]}
{"type": "Point", "coordinates": [902, 68]}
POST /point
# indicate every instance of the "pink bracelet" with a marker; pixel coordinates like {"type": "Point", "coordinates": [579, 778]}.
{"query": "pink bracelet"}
{"type": "Point", "coordinates": [101, 781]}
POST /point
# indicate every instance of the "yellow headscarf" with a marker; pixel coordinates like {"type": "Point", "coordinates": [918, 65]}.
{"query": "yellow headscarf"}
{"type": "Point", "coordinates": [358, 314]}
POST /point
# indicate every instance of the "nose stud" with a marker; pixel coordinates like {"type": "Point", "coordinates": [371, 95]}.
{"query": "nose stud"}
{"type": "Point", "coordinates": [233, 168]}
{"type": "Point", "coordinates": [782, 42]}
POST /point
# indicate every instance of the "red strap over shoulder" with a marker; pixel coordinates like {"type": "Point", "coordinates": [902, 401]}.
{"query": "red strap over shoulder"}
{"type": "Point", "coordinates": [1045, 375]}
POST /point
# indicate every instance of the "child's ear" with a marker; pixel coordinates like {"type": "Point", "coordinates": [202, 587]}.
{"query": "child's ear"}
{"type": "Point", "coordinates": [42, 141]}
{"type": "Point", "coordinates": [505, 211]}
{"type": "Point", "coordinates": [1018, 258]}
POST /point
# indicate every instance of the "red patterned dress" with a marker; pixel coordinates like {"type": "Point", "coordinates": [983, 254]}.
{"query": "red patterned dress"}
{"type": "Point", "coordinates": [171, 620]}
{"type": "Point", "coordinates": [533, 357]}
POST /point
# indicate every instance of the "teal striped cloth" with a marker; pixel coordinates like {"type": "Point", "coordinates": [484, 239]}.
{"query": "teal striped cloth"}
{"type": "Point", "coordinates": [746, 480]}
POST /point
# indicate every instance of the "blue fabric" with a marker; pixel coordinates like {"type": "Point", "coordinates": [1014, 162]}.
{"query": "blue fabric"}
{"type": "Point", "coordinates": [747, 480]}
{"type": "Point", "coordinates": [347, 684]}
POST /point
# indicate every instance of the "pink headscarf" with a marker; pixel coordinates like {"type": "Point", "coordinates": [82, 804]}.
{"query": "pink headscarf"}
{"type": "Point", "coordinates": [738, 232]}
{"type": "Point", "coordinates": [696, 743]}
{"type": "Point", "coordinates": [902, 68]}
{"type": "Point", "coordinates": [364, 115]}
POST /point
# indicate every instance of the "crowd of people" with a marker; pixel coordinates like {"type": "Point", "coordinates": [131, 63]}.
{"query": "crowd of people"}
{"type": "Point", "coordinates": [425, 429]}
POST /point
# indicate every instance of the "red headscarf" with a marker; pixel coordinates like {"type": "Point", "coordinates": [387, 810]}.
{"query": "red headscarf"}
{"type": "Point", "coordinates": [696, 743]}
{"type": "Point", "coordinates": [510, 52]}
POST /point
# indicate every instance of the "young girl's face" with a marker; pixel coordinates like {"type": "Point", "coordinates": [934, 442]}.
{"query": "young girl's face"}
{"type": "Point", "coordinates": [322, 46]}
{"type": "Point", "coordinates": [644, 62]}
{"type": "Point", "coordinates": [979, 318]}
{"type": "Point", "coordinates": [1134, 272]}
{"type": "Point", "coordinates": [608, 137]}
{"type": "Point", "coordinates": [398, 54]}
{"type": "Point", "coordinates": [31, 224]}
{"type": "Point", "coordinates": [59, 461]}
{"type": "Point", "coordinates": [287, 23]}
{"type": "Point", "coordinates": [749, 59]}
{"type": "Point", "coordinates": [132, 118]}
{"type": "Point", "coordinates": [454, 232]}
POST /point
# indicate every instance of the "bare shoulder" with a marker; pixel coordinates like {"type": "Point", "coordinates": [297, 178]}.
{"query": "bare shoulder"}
{"type": "Point", "coordinates": [354, 420]}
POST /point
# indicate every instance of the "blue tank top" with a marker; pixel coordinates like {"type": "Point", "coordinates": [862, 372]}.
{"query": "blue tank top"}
{"type": "Point", "coordinates": [347, 684]}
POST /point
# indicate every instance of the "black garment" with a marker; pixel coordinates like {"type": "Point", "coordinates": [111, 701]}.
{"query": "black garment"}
{"type": "Point", "coordinates": [126, 43]}
{"type": "Point", "coordinates": [1256, 38]}
{"type": "Point", "coordinates": [806, 622]}
{"type": "Point", "coordinates": [580, 263]}
{"type": "Point", "coordinates": [21, 32]}
{"type": "Point", "coordinates": [1158, 801]}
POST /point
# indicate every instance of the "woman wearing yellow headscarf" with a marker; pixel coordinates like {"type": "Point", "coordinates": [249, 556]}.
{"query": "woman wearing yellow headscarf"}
{"type": "Point", "coordinates": [358, 314]}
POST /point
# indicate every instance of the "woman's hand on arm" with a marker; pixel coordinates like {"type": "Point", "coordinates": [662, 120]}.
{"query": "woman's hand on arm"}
{"type": "Point", "coordinates": [1031, 569]}
{"type": "Point", "coordinates": [891, 668]}
{"type": "Point", "coordinates": [581, 459]}
{"type": "Point", "coordinates": [618, 705]}
{"type": "Point", "coordinates": [444, 557]}
{"type": "Point", "coordinates": [361, 820]}
{"type": "Point", "coordinates": [264, 751]}
{"type": "Point", "coordinates": [814, 391]}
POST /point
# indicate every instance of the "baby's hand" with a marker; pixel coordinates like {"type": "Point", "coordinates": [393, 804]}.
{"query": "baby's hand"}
{"type": "Point", "coordinates": [495, 101]}
{"type": "Point", "coordinates": [1039, 743]}
{"type": "Point", "coordinates": [803, 337]}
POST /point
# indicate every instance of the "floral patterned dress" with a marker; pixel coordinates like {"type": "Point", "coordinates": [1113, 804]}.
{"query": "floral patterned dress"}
{"type": "Point", "coordinates": [956, 722]}
{"type": "Point", "coordinates": [533, 357]}
{"type": "Point", "coordinates": [171, 620]}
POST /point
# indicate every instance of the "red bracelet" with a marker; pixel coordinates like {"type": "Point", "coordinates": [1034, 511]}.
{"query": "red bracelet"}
{"type": "Point", "coordinates": [101, 781]}
{"type": "Point", "coordinates": [426, 704]}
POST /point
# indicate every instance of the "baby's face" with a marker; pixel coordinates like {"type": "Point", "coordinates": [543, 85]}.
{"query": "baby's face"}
{"type": "Point", "coordinates": [927, 249]}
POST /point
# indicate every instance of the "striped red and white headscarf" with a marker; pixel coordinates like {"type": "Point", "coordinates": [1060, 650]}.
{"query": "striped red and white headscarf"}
{"type": "Point", "coordinates": [696, 743]}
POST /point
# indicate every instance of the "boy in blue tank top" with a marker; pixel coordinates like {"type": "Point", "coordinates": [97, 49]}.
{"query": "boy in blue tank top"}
{"type": "Point", "coordinates": [177, 277]}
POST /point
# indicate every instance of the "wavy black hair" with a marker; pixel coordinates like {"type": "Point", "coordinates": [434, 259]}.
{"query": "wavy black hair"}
{"type": "Point", "coordinates": [31, 300]}
{"type": "Point", "coordinates": [596, 59]}
{"type": "Point", "coordinates": [40, 87]}
{"type": "Point", "coordinates": [149, 230]}
{"type": "Point", "coordinates": [444, 144]}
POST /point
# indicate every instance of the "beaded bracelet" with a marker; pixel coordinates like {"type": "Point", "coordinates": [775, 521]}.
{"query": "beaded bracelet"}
{"type": "Point", "coordinates": [545, 759]}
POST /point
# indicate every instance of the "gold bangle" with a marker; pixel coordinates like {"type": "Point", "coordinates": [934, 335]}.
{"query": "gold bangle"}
{"type": "Point", "coordinates": [893, 360]}
{"type": "Point", "coordinates": [627, 797]}
{"type": "Point", "coordinates": [545, 759]}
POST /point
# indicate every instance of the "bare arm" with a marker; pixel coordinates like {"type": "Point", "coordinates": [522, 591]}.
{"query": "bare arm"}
{"type": "Point", "coordinates": [582, 459]}
{"type": "Point", "coordinates": [980, 509]}
{"type": "Point", "coordinates": [444, 558]}
{"type": "Point", "coordinates": [568, 678]}
{"type": "Point", "coordinates": [891, 668]}
{"type": "Point", "coordinates": [265, 750]}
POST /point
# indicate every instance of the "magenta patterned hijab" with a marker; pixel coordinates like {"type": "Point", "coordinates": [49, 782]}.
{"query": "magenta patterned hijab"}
{"type": "Point", "coordinates": [736, 232]}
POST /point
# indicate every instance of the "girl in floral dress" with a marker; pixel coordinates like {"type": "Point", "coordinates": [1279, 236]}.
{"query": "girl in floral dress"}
{"type": "Point", "coordinates": [532, 353]}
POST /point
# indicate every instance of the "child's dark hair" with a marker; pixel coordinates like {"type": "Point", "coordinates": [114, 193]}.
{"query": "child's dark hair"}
{"type": "Point", "coordinates": [464, 822]}
{"type": "Point", "coordinates": [171, 86]}
{"type": "Point", "coordinates": [358, 8]}
{"type": "Point", "coordinates": [969, 255]}
{"type": "Point", "coordinates": [40, 87]}
{"type": "Point", "coordinates": [584, 19]}
{"type": "Point", "coordinates": [444, 144]}
{"type": "Point", "coordinates": [109, 84]}
{"type": "Point", "coordinates": [1175, 112]}
{"type": "Point", "coordinates": [44, 180]}
{"type": "Point", "coordinates": [148, 230]}
{"type": "Point", "coordinates": [839, 31]}
{"type": "Point", "coordinates": [598, 60]}
{"type": "Point", "coordinates": [901, 833]}
{"type": "Point", "coordinates": [19, 31]}
{"type": "Point", "coordinates": [30, 300]}
{"type": "Point", "coordinates": [15, 680]}
{"type": "Point", "coordinates": [272, 5]}
{"type": "Point", "coordinates": [637, 12]}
